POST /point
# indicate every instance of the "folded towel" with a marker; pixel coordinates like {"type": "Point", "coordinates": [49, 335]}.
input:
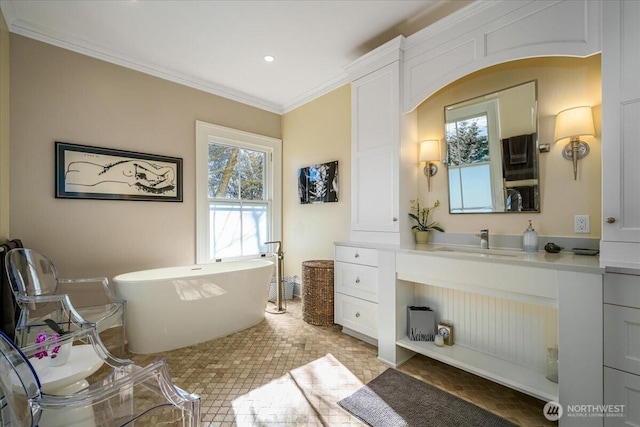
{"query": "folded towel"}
{"type": "Point", "coordinates": [518, 149]}
{"type": "Point", "coordinates": [513, 171]}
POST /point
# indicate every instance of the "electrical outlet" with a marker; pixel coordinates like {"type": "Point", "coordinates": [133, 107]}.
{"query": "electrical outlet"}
{"type": "Point", "coordinates": [581, 223]}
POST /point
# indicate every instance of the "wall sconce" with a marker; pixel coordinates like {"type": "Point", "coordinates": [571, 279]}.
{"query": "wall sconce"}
{"type": "Point", "coordinates": [573, 123]}
{"type": "Point", "coordinates": [430, 152]}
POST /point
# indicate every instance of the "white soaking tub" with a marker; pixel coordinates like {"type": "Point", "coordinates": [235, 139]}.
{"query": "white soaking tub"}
{"type": "Point", "coordinates": [169, 308]}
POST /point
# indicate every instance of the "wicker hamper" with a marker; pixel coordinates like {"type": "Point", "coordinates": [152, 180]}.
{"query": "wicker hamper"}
{"type": "Point", "coordinates": [317, 292]}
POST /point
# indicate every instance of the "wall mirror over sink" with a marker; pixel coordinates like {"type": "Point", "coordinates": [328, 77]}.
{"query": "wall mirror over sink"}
{"type": "Point", "coordinates": [492, 153]}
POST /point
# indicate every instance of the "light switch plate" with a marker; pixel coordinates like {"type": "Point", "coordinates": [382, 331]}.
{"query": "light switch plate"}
{"type": "Point", "coordinates": [581, 223]}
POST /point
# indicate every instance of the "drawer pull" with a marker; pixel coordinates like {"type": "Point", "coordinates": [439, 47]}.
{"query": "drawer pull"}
{"type": "Point", "coordinates": [357, 314]}
{"type": "Point", "coordinates": [358, 280]}
{"type": "Point", "coordinates": [357, 255]}
{"type": "Point", "coordinates": [611, 220]}
{"type": "Point", "coordinates": [395, 219]}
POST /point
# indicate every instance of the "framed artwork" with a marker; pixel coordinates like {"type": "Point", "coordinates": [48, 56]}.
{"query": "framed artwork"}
{"type": "Point", "coordinates": [85, 172]}
{"type": "Point", "coordinates": [318, 183]}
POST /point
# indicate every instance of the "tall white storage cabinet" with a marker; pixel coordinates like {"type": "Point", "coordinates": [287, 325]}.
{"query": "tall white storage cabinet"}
{"type": "Point", "coordinates": [384, 149]}
{"type": "Point", "coordinates": [374, 150]}
{"type": "Point", "coordinates": [620, 134]}
{"type": "Point", "coordinates": [622, 347]}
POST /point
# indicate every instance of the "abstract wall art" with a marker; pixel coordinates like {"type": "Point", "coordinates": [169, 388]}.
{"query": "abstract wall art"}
{"type": "Point", "coordinates": [85, 172]}
{"type": "Point", "coordinates": [318, 183]}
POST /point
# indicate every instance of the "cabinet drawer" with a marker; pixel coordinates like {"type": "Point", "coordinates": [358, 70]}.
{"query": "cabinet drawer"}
{"type": "Point", "coordinates": [621, 388]}
{"type": "Point", "coordinates": [622, 338]}
{"type": "Point", "coordinates": [360, 281]}
{"type": "Point", "coordinates": [357, 314]}
{"type": "Point", "coordinates": [363, 256]}
{"type": "Point", "coordinates": [622, 289]}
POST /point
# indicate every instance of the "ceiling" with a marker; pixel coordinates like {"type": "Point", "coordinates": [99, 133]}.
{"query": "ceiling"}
{"type": "Point", "coordinates": [219, 46]}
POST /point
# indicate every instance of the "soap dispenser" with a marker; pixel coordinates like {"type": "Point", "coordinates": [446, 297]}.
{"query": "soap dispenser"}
{"type": "Point", "coordinates": [530, 239]}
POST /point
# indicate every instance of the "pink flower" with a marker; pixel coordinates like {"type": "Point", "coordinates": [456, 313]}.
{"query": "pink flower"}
{"type": "Point", "coordinates": [41, 339]}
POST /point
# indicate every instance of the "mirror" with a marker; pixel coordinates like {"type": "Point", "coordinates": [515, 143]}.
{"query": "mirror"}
{"type": "Point", "coordinates": [492, 153]}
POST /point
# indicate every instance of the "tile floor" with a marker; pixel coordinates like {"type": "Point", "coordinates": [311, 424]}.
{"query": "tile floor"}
{"type": "Point", "coordinates": [224, 369]}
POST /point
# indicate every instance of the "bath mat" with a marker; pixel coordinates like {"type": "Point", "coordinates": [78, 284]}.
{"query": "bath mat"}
{"type": "Point", "coordinates": [395, 399]}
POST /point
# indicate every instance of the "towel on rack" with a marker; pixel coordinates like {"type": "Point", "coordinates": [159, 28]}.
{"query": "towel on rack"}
{"type": "Point", "coordinates": [9, 310]}
{"type": "Point", "coordinates": [518, 149]}
{"type": "Point", "coordinates": [519, 171]}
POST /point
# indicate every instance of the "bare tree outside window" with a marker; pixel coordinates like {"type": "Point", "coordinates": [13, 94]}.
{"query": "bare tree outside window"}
{"type": "Point", "coordinates": [467, 141]}
{"type": "Point", "coordinates": [237, 195]}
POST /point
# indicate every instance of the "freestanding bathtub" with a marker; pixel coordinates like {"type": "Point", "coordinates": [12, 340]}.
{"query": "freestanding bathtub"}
{"type": "Point", "coordinates": [169, 308]}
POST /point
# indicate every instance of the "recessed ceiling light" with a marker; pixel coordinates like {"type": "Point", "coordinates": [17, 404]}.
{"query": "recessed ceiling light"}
{"type": "Point", "coordinates": [269, 58]}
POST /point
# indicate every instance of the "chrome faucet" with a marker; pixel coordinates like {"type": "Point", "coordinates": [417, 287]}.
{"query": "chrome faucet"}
{"type": "Point", "coordinates": [484, 238]}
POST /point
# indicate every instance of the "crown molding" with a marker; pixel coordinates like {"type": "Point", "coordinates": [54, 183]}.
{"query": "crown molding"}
{"type": "Point", "coordinates": [377, 58]}
{"type": "Point", "coordinates": [23, 28]}
{"type": "Point", "coordinates": [315, 93]}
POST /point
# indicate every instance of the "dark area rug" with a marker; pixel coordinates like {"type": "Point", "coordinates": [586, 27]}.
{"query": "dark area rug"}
{"type": "Point", "coordinates": [395, 399]}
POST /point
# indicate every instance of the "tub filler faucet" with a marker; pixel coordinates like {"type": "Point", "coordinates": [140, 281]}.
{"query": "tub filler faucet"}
{"type": "Point", "coordinates": [484, 238]}
{"type": "Point", "coordinates": [279, 282]}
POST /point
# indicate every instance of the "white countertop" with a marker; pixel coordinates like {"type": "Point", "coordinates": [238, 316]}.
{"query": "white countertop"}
{"type": "Point", "coordinates": [541, 259]}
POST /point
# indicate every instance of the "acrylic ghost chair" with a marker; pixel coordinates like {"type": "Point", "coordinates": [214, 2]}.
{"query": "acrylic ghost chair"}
{"type": "Point", "coordinates": [122, 395]}
{"type": "Point", "coordinates": [36, 284]}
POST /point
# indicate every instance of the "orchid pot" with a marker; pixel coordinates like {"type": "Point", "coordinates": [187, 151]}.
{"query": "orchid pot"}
{"type": "Point", "coordinates": [423, 225]}
{"type": "Point", "coordinates": [52, 347]}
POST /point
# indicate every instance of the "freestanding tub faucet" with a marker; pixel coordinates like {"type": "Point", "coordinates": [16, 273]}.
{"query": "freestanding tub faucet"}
{"type": "Point", "coordinates": [484, 238]}
{"type": "Point", "coordinates": [279, 282]}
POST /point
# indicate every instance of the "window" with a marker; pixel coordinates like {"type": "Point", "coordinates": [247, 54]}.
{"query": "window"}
{"type": "Point", "coordinates": [237, 193]}
{"type": "Point", "coordinates": [468, 160]}
{"type": "Point", "coordinates": [471, 136]}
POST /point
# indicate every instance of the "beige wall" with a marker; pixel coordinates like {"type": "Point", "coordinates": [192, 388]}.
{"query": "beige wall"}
{"type": "Point", "coordinates": [562, 83]}
{"type": "Point", "coordinates": [317, 132]}
{"type": "Point", "coordinates": [4, 129]}
{"type": "Point", "coordinates": [58, 95]}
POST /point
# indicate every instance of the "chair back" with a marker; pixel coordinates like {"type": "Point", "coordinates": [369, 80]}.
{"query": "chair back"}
{"type": "Point", "coordinates": [31, 273]}
{"type": "Point", "coordinates": [18, 384]}
{"type": "Point", "coordinates": [9, 309]}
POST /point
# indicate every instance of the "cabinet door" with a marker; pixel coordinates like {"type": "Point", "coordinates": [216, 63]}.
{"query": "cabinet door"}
{"type": "Point", "coordinates": [622, 338]}
{"type": "Point", "coordinates": [622, 392]}
{"type": "Point", "coordinates": [375, 146]}
{"type": "Point", "coordinates": [621, 128]}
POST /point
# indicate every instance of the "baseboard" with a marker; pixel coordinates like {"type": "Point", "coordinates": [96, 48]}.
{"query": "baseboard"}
{"type": "Point", "coordinates": [361, 337]}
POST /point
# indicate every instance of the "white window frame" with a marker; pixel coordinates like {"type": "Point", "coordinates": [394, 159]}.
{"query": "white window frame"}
{"type": "Point", "coordinates": [207, 132]}
{"type": "Point", "coordinates": [490, 108]}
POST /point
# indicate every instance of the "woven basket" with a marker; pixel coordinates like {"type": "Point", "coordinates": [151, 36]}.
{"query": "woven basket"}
{"type": "Point", "coordinates": [317, 292]}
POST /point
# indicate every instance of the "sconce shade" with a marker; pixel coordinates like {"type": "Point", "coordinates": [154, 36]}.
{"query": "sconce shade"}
{"type": "Point", "coordinates": [429, 150]}
{"type": "Point", "coordinates": [574, 122]}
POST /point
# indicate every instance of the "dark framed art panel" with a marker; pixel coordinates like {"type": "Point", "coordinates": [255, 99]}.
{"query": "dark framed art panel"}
{"type": "Point", "coordinates": [318, 183]}
{"type": "Point", "coordinates": [86, 172]}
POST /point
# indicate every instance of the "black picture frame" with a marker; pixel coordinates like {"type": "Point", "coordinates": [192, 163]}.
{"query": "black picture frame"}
{"type": "Point", "coordinates": [86, 172]}
{"type": "Point", "coordinates": [318, 183]}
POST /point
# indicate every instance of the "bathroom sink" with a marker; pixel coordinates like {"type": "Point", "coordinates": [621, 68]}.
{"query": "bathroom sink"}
{"type": "Point", "coordinates": [477, 251]}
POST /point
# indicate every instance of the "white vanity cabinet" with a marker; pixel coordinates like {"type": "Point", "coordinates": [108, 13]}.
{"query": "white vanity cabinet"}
{"type": "Point", "coordinates": [356, 292]}
{"type": "Point", "coordinates": [622, 346]}
{"type": "Point", "coordinates": [506, 309]}
{"type": "Point", "coordinates": [383, 148]}
{"type": "Point", "coordinates": [620, 243]}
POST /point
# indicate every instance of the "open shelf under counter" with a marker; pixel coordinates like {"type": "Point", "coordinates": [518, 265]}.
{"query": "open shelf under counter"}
{"type": "Point", "coordinates": [512, 375]}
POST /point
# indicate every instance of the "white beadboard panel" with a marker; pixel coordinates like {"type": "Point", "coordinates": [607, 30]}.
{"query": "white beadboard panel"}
{"type": "Point", "coordinates": [510, 330]}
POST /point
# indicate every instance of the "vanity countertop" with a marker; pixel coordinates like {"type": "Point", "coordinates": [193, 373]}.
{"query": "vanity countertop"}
{"type": "Point", "coordinates": [541, 259]}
